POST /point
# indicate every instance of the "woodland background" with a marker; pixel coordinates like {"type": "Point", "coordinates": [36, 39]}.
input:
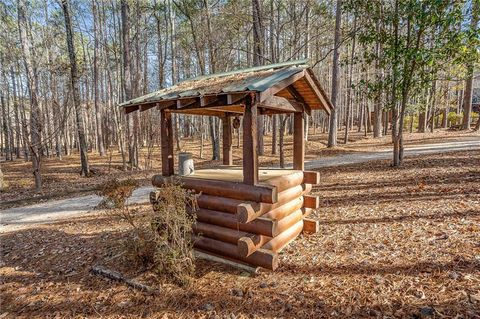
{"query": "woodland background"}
{"type": "Point", "coordinates": [390, 66]}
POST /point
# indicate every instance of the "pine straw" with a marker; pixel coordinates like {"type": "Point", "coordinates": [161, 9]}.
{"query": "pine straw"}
{"type": "Point", "coordinates": [392, 242]}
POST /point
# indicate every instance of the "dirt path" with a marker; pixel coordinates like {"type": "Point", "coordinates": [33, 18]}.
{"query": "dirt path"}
{"type": "Point", "coordinates": [55, 210]}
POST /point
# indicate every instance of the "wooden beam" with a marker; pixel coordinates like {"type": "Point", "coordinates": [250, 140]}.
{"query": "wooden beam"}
{"type": "Point", "coordinates": [201, 254]}
{"type": "Point", "coordinates": [199, 111]}
{"type": "Point", "coordinates": [144, 107]}
{"type": "Point", "coordinates": [248, 211]}
{"type": "Point", "coordinates": [311, 201]}
{"type": "Point", "coordinates": [298, 142]}
{"type": "Point", "coordinates": [130, 109]}
{"type": "Point", "coordinates": [249, 244]}
{"type": "Point", "coordinates": [165, 104]}
{"type": "Point", "coordinates": [310, 226]}
{"type": "Point", "coordinates": [250, 157]}
{"type": "Point", "coordinates": [261, 226]}
{"type": "Point", "coordinates": [311, 177]}
{"type": "Point", "coordinates": [166, 129]}
{"type": "Point", "coordinates": [283, 239]}
{"type": "Point", "coordinates": [207, 100]}
{"type": "Point", "coordinates": [299, 99]}
{"type": "Point", "coordinates": [262, 258]}
{"type": "Point", "coordinates": [227, 140]}
{"type": "Point", "coordinates": [234, 108]}
{"type": "Point", "coordinates": [234, 98]}
{"type": "Point", "coordinates": [181, 103]}
{"type": "Point", "coordinates": [318, 92]}
{"type": "Point", "coordinates": [159, 104]}
{"type": "Point", "coordinates": [278, 103]}
{"type": "Point", "coordinates": [258, 193]}
{"type": "Point", "coordinates": [281, 85]}
{"type": "Point", "coordinates": [218, 232]}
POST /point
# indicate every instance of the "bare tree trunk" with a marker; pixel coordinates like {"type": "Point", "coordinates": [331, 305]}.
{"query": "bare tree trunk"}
{"type": "Point", "coordinates": [132, 118]}
{"type": "Point", "coordinates": [98, 111]}
{"type": "Point", "coordinates": [432, 108]}
{"type": "Point", "coordinates": [274, 134]}
{"type": "Point", "coordinates": [349, 88]}
{"type": "Point", "coordinates": [85, 171]}
{"type": "Point", "coordinates": [468, 94]}
{"type": "Point", "coordinates": [1, 179]}
{"type": "Point", "coordinates": [377, 107]}
{"type": "Point", "coordinates": [18, 134]}
{"type": "Point", "coordinates": [35, 127]}
{"type": "Point", "coordinates": [332, 134]}
{"type": "Point", "coordinates": [258, 38]}
{"type": "Point", "coordinates": [283, 121]}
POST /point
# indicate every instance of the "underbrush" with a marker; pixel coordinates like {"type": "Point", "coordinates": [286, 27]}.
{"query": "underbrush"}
{"type": "Point", "coordinates": [159, 237]}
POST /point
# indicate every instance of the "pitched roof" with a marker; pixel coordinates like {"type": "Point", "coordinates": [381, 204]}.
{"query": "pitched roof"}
{"type": "Point", "coordinates": [289, 80]}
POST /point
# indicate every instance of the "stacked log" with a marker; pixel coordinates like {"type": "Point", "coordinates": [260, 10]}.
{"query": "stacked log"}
{"type": "Point", "coordinates": [251, 224]}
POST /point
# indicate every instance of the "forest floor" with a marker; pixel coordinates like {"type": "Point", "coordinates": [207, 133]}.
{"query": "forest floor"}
{"type": "Point", "coordinates": [61, 178]}
{"type": "Point", "coordinates": [393, 242]}
{"type": "Point", "coordinates": [60, 209]}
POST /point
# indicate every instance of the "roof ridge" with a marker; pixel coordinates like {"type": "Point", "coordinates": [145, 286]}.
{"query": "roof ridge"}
{"type": "Point", "coordinates": [251, 69]}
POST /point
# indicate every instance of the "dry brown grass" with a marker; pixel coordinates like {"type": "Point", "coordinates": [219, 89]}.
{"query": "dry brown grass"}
{"type": "Point", "coordinates": [393, 243]}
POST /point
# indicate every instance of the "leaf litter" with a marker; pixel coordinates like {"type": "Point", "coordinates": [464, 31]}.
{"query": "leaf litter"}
{"type": "Point", "coordinates": [393, 243]}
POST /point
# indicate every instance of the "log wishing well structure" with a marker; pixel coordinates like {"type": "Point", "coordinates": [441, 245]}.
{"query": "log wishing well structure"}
{"type": "Point", "coordinates": [246, 214]}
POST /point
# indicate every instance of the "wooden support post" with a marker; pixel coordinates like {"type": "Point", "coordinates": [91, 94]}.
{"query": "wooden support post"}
{"type": "Point", "coordinates": [167, 143]}
{"type": "Point", "coordinates": [298, 141]}
{"type": "Point", "coordinates": [227, 140]}
{"type": "Point", "coordinates": [250, 158]}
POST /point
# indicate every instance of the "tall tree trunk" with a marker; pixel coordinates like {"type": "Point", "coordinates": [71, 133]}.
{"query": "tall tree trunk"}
{"type": "Point", "coordinates": [1, 179]}
{"type": "Point", "coordinates": [35, 117]}
{"type": "Point", "coordinates": [18, 129]}
{"type": "Point", "coordinates": [332, 134]}
{"type": "Point", "coordinates": [468, 94]}
{"type": "Point", "coordinates": [258, 59]}
{"type": "Point", "coordinates": [132, 118]}
{"type": "Point", "coordinates": [432, 107]}
{"type": "Point", "coordinates": [349, 88]}
{"type": "Point", "coordinates": [98, 110]}
{"type": "Point", "coordinates": [377, 107]}
{"type": "Point", "coordinates": [85, 170]}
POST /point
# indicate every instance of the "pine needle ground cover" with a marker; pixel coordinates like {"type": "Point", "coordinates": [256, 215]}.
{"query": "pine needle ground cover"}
{"type": "Point", "coordinates": [393, 243]}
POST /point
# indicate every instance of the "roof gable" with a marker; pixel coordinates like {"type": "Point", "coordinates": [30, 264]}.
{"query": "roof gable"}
{"type": "Point", "coordinates": [292, 81]}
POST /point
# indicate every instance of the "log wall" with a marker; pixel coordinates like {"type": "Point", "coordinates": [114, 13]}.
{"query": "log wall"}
{"type": "Point", "coordinates": [251, 224]}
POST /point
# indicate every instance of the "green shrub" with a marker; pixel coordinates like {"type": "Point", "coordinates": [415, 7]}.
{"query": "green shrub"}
{"type": "Point", "coordinates": [454, 118]}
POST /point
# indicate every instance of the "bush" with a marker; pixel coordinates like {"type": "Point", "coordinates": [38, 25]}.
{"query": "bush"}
{"type": "Point", "coordinates": [160, 238]}
{"type": "Point", "coordinates": [171, 224]}
{"type": "Point", "coordinates": [116, 193]}
{"type": "Point", "coordinates": [454, 118]}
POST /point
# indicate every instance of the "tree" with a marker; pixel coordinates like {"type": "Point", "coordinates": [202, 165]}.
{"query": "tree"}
{"type": "Point", "coordinates": [472, 47]}
{"type": "Point", "coordinates": [258, 38]}
{"type": "Point", "coordinates": [98, 111]}
{"type": "Point", "coordinates": [410, 56]}
{"type": "Point", "coordinates": [1, 180]}
{"type": "Point", "coordinates": [132, 119]}
{"type": "Point", "coordinates": [332, 133]}
{"type": "Point", "coordinates": [35, 116]}
{"type": "Point", "coordinates": [85, 169]}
